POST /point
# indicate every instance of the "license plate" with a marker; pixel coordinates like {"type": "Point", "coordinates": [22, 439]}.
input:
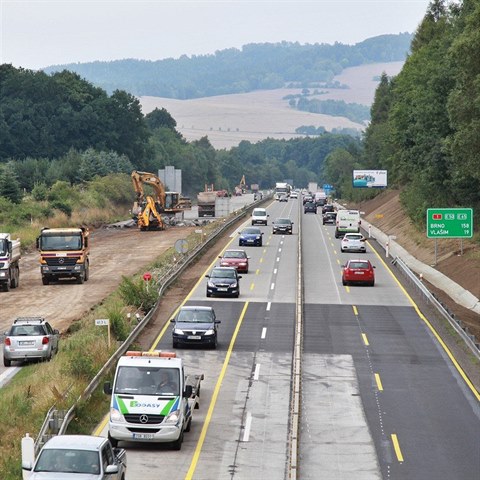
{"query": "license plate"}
{"type": "Point", "coordinates": [222, 289]}
{"type": "Point", "coordinates": [250, 241]}
{"type": "Point", "coordinates": [142, 436]}
{"type": "Point", "coordinates": [26, 343]}
{"type": "Point", "coordinates": [61, 268]}
{"type": "Point", "coordinates": [359, 273]}
{"type": "Point", "coordinates": [194, 337]}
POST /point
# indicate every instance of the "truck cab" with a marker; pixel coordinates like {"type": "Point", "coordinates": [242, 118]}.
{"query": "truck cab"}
{"type": "Point", "coordinates": [152, 399]}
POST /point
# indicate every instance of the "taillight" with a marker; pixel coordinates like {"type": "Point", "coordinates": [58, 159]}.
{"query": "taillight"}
{"type": "Point", "coordinates": [8, 342]}
{"type": "Point", "coordinates": [45, 341]}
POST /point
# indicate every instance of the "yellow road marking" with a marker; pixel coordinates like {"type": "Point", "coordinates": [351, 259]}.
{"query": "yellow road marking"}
{"type": "Point", "coordinates": [355, 311]}
{"type": "Point", "coordinates": [379, 382]}
{"type": "Point", "coordinates": [261, 260]}
{"type": "Point", "coordinates": [252, 285]}
{"type": "Point", "coordinates": [216, 391]}
{"type": "Point", "coordinates": [365, 339]}
{"type": "Point", "coordinates": [430, 327]}
{"type": "Point", "coordinates": [396, 447]}
{"type": "Point", "coordinates": [257, 271]}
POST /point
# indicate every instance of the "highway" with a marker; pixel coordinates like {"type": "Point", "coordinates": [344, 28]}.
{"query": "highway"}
{"type": "Point", "coordinates": [380, 397]}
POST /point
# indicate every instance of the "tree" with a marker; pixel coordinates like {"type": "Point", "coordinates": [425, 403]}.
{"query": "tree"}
{"type": "Point", "coordinates": [9, 186]}
{"type": "Point", "coordinates": [160, 118]}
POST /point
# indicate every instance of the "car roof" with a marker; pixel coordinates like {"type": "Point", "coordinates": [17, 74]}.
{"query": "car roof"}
{"type": "Point", "coordinates": [235, 250]}
{"type": "Point", "coordinates": [28, 320]}
{"type": "Point", "coordinates": [283, 218]}
{"type": "Point", "coordinates": [361, 260]}
{"type": "Point", "coordinates": [250, 229]}
{"type": "Point", "coordinates": [196, 307]}
{"type": "Point", "coordinates": [352, 234]}
{"type": "Point", "coordinates": [79, 442]}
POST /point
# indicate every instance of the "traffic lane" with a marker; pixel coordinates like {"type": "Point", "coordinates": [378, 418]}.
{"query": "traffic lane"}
{"type": "Point", "coordinates": [321, 266]}
{"type": "Point", "coordinates": [434, 417]}
{"type": "Point", "coordinates": [143, 458]}
{"type": "Point", "coordinates": [247, 435]}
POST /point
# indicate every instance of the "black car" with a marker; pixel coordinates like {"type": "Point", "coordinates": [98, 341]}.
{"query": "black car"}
{"type": "Point", "coordinates": [223, 281]}
{"type": "Point", "coordinates": [195, 325]}
{"type": "Point", "coordinates": [330, 217]}
{"type": "Point", "coordinates": [282, 225]}
{"type": "Point", "coordinates": [328, 208]}
{"type": "Point", "coordinates": [310, 207]}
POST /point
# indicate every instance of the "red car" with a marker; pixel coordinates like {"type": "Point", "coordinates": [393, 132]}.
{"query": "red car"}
{"type": "Point", "coordinates": [235, 258]}
{"type": "Point", "coordinates": [358, 271]}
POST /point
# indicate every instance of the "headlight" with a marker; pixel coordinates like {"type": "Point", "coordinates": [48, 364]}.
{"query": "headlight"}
{"type": "Point", "coordinates": [233, 285]}
{"type": "Point", "coordinates": [3, 274]}
{"type": "Point", "coordinates": [209, 332]}
{"type": "Point", "coordinates": [115, 415]}
{"type": "Point", "coordinates": [258, 237]}
{"type": "Point", "coordinates": [77, 267]}
{"type": "Point", "coordinates": [211, 284]}
{"type": "Point", "coordinates": [178, 331]}
{"type": "Point", "coordinates": [172, 417]}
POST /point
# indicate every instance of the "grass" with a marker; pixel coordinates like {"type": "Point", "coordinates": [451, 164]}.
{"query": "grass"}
{"type": "Point", "coordinates": [84, 349]}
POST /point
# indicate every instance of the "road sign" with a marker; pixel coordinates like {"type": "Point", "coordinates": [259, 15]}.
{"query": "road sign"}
{"type": "Point", "coordinates": [181, 246]}
{"type": "Point", "coordinates": [449, 223]}
{"type": "Point", "coordinates": [147, 276]}
{"type": "Point", "coordinates": [100, 322]}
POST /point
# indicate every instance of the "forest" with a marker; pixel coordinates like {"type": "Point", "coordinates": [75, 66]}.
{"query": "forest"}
{"type": "Point", "coordinates": [254, 67]}
{"type": "Point", "coordinates": [58, 131]}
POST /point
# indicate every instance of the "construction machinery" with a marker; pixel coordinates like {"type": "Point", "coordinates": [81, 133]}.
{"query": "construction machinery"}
{"type": "Point", "coordinates": [148, 209]}
{"type": "Point", "coordinates": [9, 262]}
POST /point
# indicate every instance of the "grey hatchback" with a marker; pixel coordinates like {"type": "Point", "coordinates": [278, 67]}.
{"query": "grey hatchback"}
{"type": "Point", "coordinates": [30, 338]}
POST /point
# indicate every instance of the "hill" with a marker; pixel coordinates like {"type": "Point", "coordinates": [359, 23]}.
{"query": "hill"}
{"type": "Point", "coordinates": [229, 119]}
{"type": "Point", "coordinates": [261, 66]}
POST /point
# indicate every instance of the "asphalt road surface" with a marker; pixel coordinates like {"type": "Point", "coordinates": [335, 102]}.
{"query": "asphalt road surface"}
{"type": "Point", "coordinates": [380, 397]}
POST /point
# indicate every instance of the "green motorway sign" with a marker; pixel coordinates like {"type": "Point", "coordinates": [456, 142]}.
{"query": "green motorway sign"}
{"type": "Point", "coordinates": [449, 223]}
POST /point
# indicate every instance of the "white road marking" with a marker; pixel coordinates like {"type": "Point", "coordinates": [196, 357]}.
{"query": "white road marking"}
{"type": "Point", "coordinates": [274, 271]}
{"type": "Point", "coordinates": [248, 426]}
{"type": "Point", "coordinates": [264, 333]}
{"type": "Point", "coordinates": [256, 373]}
{"type": "Point", "coordinates": [278, 259]}
{"type": "Point", "coordinates": [272, 286]}
{"type": "Point", "coordinates": [269, 304]}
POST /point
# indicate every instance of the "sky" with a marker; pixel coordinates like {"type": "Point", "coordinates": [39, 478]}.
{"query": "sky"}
{"type": "Point", "coordinates": [37, 33]}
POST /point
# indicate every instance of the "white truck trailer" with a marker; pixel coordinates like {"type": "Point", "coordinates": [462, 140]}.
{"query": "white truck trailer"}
{"type": "Point", "coordinates": [152, 399]}
{"type": "Point", "coordinates": [9, 262]}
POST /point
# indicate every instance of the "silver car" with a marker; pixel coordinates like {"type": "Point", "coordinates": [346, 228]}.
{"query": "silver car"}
{"type": "Point", "coordinates": [30, 338]}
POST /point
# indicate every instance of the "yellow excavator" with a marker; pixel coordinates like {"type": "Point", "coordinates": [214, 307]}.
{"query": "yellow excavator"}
{"type": "Point", "coordinates": [148, 209]}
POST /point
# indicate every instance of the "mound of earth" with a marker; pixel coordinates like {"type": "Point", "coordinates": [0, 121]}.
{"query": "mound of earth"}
{"type": "Point", "coordinates": [386, 213]}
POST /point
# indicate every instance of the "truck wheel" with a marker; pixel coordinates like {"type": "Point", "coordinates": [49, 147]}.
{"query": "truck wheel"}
{"type": "Point", "coordinates": [45, 280]}
{"type": "Point", "coordinates": [177, 444]}
{"type": "Point", "coordinates": [6, 287]}
{"type": "Point", "coordinates": [87, 272]}
{"type": "Point", "coordinates": [6, 363]}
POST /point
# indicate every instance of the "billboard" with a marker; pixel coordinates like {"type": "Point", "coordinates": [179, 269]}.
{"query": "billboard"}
{"type": "Point", "coordinates": [369, 178]}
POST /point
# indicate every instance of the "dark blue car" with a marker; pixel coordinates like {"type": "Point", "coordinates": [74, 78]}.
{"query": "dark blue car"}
{"type": "Point", "coordinates": [250, 236]}
{"type": "Point", "coordinates": [223, 281]}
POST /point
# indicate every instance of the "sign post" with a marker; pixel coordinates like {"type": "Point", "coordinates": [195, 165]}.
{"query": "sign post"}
{"type": "Point", "coordinates": [147, 277]}
{"type": "Point", "coordinates": [449, 223]}
{"type": "Point", "coordinates": [101, 322]}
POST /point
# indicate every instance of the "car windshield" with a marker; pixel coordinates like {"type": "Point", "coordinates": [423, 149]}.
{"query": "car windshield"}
{"type": "Point", "coordinates": [217, 273]}
{"type": "Point", "coordinates": [251, 231]}
{"type": "Point", "coordinates": [310, 204]}
{"type": "Point", "coordinates": [68, 461]}
{"type": "Point", "coordinates": [61, 242]}
{"type": "Point", "coordinates": [233, 254]}
{"type": "Point", "coordinates": [353, 237]}
{"type": "Point", "coordinates": [147, 381]}
{"type": "Point", "coordinates": [282, 221]}
{"type": "Point", "coordinates": [26, 330]}
{"type": "Point", "coordinates": [195, 316]}
{"type": "Point", "coordinates": [3, 246]}
{"type": "Point", "coordinates": [358, 265]}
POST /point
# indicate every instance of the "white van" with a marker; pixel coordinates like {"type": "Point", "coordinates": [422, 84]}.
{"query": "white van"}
{"type": "Point", "coordinates": [348, 221]}
{"type": "Point", "coordinates": [259, 216]}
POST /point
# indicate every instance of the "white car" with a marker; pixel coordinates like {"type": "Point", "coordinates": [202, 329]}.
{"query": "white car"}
{"type": "Point", "coordinates": [353, 242]}
{"type": "Point", "coordinates": [293, 195]}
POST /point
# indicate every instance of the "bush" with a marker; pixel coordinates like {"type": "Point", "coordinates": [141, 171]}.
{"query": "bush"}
{"type": "Point", "coordinates": [135, 293]}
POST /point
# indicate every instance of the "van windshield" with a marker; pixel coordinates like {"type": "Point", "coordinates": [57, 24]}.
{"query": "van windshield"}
{"type": "Point", "coordinates": [3, 246]}
{"type": "Point", "coordinates": [147, 381]}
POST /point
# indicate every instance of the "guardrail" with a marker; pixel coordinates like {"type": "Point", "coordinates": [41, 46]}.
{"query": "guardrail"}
{"type": "Point", "coordinates": [456, 323]}
{"type": "Point", "coordinates": [56, 421]}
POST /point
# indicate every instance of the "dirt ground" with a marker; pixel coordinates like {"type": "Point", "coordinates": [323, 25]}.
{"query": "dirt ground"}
{"type": "Point", "coordinates": [385, 212]}
{"type": "Point", "coordinates": [114, 252]}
